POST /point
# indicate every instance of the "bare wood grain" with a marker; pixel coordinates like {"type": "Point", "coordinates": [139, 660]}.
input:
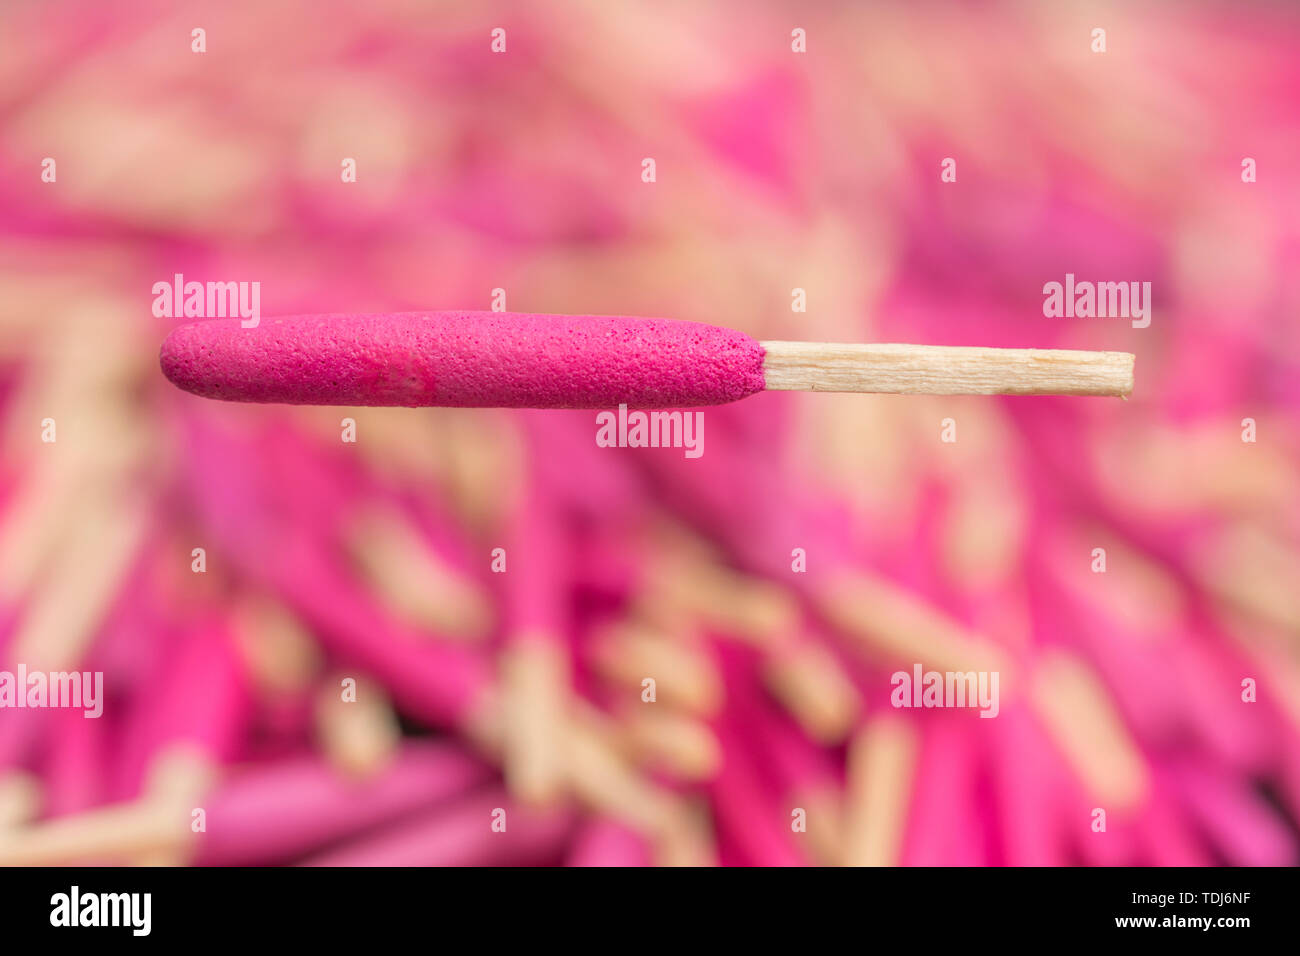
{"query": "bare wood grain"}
{"type": "Point", "coordinates": [945, 370]}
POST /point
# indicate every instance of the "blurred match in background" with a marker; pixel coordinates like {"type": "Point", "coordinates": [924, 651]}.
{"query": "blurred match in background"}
{"type": "Point", "coordinates": [366, 636]}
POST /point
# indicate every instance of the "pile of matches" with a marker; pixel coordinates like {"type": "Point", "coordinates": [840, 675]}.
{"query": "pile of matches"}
{"type": "Point", "coordinates": [336, 636]}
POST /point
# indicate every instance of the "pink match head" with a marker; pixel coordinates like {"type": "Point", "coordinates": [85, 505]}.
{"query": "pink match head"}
{"type": "Point", "coordinates": [465, 359]}
{"type": "Point", "coordinates": [271, 813]}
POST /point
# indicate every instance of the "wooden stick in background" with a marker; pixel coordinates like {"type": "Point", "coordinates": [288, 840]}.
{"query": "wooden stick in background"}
{"type": "Point", "coordinates": [882, 760]}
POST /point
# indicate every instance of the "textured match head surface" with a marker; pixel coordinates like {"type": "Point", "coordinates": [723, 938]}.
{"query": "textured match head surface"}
{"type": "Point", "coordinates": [465, 359]}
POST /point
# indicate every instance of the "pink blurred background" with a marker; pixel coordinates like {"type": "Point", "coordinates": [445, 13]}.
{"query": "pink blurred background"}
{"type": "Point", "coordinates": [1164, 691]}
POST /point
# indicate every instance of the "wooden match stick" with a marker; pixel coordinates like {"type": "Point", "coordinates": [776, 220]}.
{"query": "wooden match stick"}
{"type": "Point", "coordinates": [944, 370]}
{"type": "Point", "coordinates": [20, 799]}
{"type": "Point", "coordinates": [518, 360]}
{"type": "Point", "coordinates": [882, 762]}
{"type": "Point", "coordinates": [1083, 719]}
{"type": "Point", "coordinates": [155, 827]}
{"type": "Point", "coordinates": [427, 591]}
{"type": "Point", "coordinates": [360, 736]}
